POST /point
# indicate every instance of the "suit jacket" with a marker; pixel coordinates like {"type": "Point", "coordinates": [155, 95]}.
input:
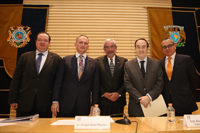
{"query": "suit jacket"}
{"type": "Point", "coordinates": [112, 84]}
{"type": "Point", "coordinates": [26, 83]}
{"type": "Point", "coordinates": [68, 90]}
{"type": "Point", "coordinates": [137, 86]}
{"type": "Point", "coordinates": [182, 86]}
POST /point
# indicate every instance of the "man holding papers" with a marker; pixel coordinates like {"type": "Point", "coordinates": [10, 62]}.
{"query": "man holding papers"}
{"type": "Point", "coordinates": [143, 79]}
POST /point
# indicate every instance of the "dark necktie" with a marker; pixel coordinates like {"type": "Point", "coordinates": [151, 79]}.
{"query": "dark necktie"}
{"type": "Point", "coordinates": [112, 67]}
{"type": "Point", "coordinates": [80, 67]}
{"type": "Point", "coordinates": [142, 68]}
{"type": "Point", "coordinates": [38, 62]}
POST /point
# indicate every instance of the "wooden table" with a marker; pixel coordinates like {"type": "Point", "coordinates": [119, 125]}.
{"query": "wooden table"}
{"type": "Point", "coordinates": [145, 124]}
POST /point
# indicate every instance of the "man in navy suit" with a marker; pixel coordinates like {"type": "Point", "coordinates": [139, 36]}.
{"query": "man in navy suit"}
{"type": "Point", "coordinates": [112, 92]}
{"type": "Point", "coordinates": [73, 86]}
{"type": "Point", "coordinates": [180, 86]}
{"type": "Point", "coordinates": [31, 88]}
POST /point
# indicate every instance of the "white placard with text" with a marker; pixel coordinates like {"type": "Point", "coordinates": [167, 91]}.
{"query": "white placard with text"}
{"type": "Point", "coordinates": [191, 120]}
{"type": "Point", "coordinates": [92, 122]}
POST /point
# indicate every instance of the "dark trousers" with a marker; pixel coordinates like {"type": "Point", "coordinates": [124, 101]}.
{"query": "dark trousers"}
{"type": "Point", "coordinates": [111, 110]}
{"type": "Point", "coordinates": [34, 111]}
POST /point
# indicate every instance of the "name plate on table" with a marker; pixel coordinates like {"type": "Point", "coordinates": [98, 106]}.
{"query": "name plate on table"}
{"type": "Point", "coordinates": [191, 120]}
{"type": "Point", "coordinates": [92, 122]}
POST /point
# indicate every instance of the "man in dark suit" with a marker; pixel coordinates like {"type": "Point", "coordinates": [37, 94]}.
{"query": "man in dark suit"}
{"type": "Point", "coordinates": [143, 79]}
{"type": "Point", "coordinates": [111, 71]}
{"type": "Point", "coordinates": [181, 84]}
{"type": "Point", "coordinates": [31, 88]}
{"type": "Point", "coordinates": [77, 77]}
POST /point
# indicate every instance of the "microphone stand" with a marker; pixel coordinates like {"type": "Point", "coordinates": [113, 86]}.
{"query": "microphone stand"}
{"type": "Point", "coordinates": [125, 121]}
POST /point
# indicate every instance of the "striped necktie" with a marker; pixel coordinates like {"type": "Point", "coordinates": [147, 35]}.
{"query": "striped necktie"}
{"type": "Point", "coordinates": [38, 62]}
{"type": "Point", "coordinates": [112, 67]}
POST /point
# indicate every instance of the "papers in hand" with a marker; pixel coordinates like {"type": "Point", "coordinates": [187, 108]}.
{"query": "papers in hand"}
{"type": "Point", "coordinates": [24, 119]}
{"type": "Point", "coordinates": [157, 108]}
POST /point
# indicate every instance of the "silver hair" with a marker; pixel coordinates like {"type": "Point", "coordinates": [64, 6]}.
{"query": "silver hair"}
{"type": "Point", "coordinates": [108, 40]}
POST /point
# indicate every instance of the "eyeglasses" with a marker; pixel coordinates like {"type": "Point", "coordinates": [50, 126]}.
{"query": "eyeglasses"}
{"type": "Point", "coordinates": [143, 47]}
{"type": "Point", "coordinates": [169, 46]}
{"type": "Point", "coordinates": [45, 41]}
{"type": "Point", "coordinates": [107, 47]}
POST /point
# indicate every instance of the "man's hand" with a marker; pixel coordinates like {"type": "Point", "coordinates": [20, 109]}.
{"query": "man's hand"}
{"type": "Point", "coordinates": [145, 101]}
{"type": "Point", "coordinates": [55, 108]}
{"type": "Point", "coordinates": [107, 95]}
{"type": "Point", "coordinates": [114, 96]}
{"type": "Point", "coordinates": [14, 105]}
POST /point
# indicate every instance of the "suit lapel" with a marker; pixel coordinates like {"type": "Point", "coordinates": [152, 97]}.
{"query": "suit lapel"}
{"type": "Point", "coordinates": [117, 65]}
{"type": "Point", "coordinates": [137, 67]}
{"type": "Point", "coordinates": [33, 55]}
{"type": "Point", "coordinates": [148, 68]}
{"type": "Point", "coordinates": [74, 67]}
{"type": "Point", "coordinates": [176, 62]}
{"type": "Point", "coordinates": [107, 66]}
{"type": "Point", "coordinates": [48, 59]}
{"type": "Point", "coordinates": [86, 67]}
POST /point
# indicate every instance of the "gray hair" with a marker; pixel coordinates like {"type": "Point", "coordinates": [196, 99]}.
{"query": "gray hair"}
{"type": "Point", "coordinates": [81, 36]}
{"type": "Point", "coordinates": [167, 39]}
{"type": "Point", "coordinates": [108, 40]}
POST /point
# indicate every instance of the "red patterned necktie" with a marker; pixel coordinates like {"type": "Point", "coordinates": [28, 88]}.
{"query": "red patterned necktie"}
{"type": "Point", "coordinates": [80, 68]}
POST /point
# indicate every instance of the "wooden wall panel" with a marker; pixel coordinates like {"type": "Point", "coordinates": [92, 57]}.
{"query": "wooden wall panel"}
{"type": "Point", "coordinates": [122, 20]}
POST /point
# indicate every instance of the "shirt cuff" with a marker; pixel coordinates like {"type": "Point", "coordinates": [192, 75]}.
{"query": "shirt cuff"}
{"type": "Point", "coordinates": [149, 96]}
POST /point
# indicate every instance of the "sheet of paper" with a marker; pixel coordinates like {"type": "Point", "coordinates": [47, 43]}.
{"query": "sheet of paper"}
{"type": "Point", "coordinates": [157, 108]}
{"type": "Point", "coordinates": [6, 124]}
{"type": "Point", "coordinates": [70, 122]}
{"type": "Point", "coordinates": [64, 122]}
{"type": "Point", "coordinates": [111, 120]}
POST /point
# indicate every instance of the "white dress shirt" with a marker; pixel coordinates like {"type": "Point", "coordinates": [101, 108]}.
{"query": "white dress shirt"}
{"type": "Point", "coordinates": [113, 60]}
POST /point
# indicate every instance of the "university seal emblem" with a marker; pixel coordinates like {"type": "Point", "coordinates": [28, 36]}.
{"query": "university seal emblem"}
{"type": "Point", "coordinates": [18, 36]}
{"type": "Point", "coordinates": [176, 33]}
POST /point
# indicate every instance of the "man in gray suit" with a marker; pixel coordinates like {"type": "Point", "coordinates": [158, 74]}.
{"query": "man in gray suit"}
{"type": "Point", "coordinates": [111, 71]}
{"type": "Point", "coordinates": [143, 79]}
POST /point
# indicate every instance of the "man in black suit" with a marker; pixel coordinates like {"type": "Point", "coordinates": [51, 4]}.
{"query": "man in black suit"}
{"type": "Point", "coordinates": [31, 90]}
{"type": "Point", "coordinates": [111, 71]}
{"type": "Point", "coordinates": [181, 82]}
{"type": "Point", "coordinates": [77, 77]}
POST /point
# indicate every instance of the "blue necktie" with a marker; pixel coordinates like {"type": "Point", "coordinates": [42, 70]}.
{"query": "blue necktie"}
{"type": "Point", "coordinates": [38, 62]}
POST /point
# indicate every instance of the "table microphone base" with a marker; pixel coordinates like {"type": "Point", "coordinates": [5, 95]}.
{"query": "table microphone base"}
{"type": "Point", "coordinates": [124, 121]}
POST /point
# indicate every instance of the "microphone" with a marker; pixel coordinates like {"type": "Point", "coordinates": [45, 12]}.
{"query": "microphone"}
{"type": "Point", "coordinates": [125, 121]}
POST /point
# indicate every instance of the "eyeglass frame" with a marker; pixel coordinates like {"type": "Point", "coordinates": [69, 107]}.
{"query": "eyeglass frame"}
{"type": "Point", "coordinates": [108, 47]}
{"type": "Point", "coordinates": [168, 46]}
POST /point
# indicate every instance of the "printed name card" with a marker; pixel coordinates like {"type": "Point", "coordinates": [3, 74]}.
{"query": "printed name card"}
{"type": "Point", "coordinates": [191, 120]}
{"type": "Point", "coordinates": [92, 122]}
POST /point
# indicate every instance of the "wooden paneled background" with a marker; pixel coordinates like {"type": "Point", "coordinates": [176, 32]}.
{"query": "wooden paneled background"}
{"type": "Point", "coordinates": [122, 20]}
